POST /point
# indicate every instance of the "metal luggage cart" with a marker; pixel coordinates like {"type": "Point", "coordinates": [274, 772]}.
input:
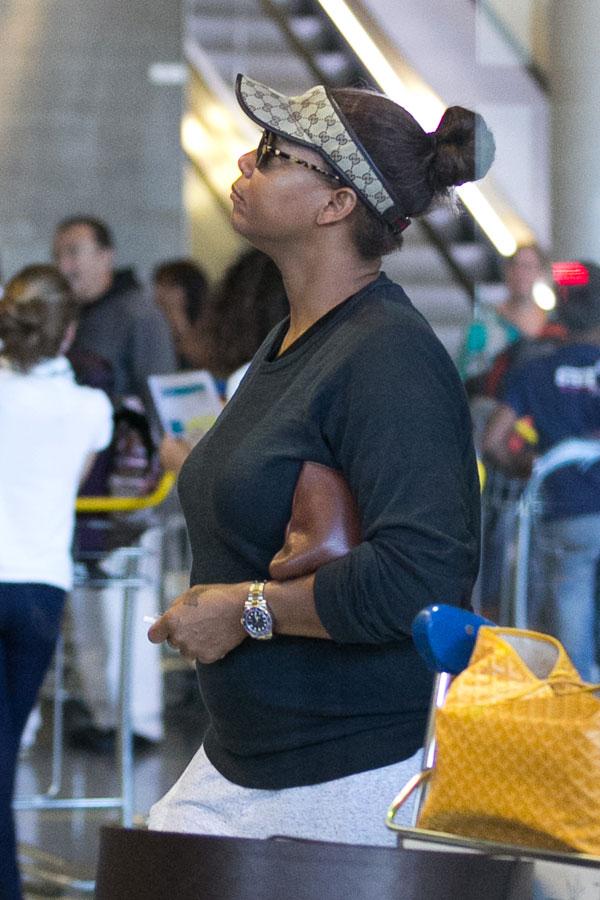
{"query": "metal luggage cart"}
{"type": "Point", "coordinates": [445, 637]}
{"type": "Point", "coordinates": [129, 582]}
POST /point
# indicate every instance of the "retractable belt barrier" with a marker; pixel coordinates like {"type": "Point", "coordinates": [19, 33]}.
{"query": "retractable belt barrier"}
{"type": "Point", "coordinates": [127, 504]}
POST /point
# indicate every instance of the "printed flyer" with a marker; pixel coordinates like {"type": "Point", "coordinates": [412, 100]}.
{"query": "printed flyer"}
{"type": "Point", "coordinates": [187, 403]}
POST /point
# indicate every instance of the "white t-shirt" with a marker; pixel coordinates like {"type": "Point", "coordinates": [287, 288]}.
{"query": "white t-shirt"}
{"type": "Point", "coordinates": [48, 427]}
{"type": "Point", "coordinates": [234, 380]}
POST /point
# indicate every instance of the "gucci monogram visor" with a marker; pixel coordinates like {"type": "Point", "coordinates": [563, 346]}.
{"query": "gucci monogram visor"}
{"type": "Point", "coordinates": [315, 120]}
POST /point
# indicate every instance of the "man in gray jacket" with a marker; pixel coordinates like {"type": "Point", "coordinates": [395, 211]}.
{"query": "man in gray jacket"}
{"type": "Point", "coordinates": [118, 320]}
{"type": "Point", "coordinates": [120, 323]}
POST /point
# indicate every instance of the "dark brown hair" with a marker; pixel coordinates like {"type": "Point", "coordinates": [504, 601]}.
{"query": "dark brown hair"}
{"type": "Point", "coordinates": [418, 167]}
{"type": "Point", "coordinates": [36, 309]}
{"type": "Point", "coordinates": [184, 273]}
{"type": "Point", "coordinates": [100, 230]}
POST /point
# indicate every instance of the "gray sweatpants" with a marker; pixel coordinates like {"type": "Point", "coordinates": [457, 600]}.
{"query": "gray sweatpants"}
{"type": "Point", "coordinates": [348, 810]}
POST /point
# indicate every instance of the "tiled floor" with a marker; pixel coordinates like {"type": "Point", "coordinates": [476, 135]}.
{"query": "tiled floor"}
{"type": "Point", "coordinates": [67, 841]}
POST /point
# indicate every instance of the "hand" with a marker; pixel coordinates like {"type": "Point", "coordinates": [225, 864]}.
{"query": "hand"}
{"type": "Point", "coordinates": [204, 622]}
{"type": "Point", "coordinates": [173, 452]}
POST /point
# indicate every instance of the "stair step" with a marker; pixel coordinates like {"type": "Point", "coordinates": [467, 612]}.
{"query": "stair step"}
{"type": "Point", "coordinates": [210, 25]}
{"type": "Point", "coordinates": [447, 222]}
{"type": "Point", "coordinates": [445, 305]}
{"type": "Point", "coordinates": [229, 10]}
{"type": "Point", "coordinates": [213, 32]}
{"type": "Point", "coordinates": [474, 258]}
{"type": "Point", "coordinates": [281, 70]}
{"type": "Point", "coordinates": [295, 7]}
{"type": "Point", "coordinates": [421, 263]}
{"type": "Point", "coordinates": [310, 30]}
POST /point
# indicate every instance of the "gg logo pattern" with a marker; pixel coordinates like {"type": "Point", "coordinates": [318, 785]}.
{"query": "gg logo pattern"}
{"type": "Point", "coordinates": [311, 118]}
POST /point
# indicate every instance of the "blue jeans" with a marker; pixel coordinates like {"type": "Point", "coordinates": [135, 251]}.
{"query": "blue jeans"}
{"type": "Point", "coordinates": [30, 616]}
{"type": "Point", "coordinates": [570, 549]}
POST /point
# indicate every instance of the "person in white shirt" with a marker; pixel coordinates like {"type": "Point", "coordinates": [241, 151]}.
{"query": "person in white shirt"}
{"type": "Point", "coordinates": [50, 429]}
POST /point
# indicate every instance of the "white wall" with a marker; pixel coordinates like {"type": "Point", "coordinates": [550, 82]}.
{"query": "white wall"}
{"type": "Point", "coordinates": [84, 130]}
{"type": "Point", "coordinates": [575, 76]}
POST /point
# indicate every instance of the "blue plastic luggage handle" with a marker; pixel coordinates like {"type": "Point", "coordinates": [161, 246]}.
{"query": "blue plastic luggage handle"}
{"type": "Point", "coordinates": [445, 636]}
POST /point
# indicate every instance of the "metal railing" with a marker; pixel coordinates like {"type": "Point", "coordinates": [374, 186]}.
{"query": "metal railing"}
{"type": "Point", "coordinates": [521, 53]}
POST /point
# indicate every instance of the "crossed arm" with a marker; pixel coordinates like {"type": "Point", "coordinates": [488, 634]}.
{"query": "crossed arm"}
{"type": "Point", "coordinates": [204, 622]}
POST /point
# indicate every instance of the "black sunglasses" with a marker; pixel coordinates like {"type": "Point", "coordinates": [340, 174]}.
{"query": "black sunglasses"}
{"type": "Point", "coordinates": [265, 149]}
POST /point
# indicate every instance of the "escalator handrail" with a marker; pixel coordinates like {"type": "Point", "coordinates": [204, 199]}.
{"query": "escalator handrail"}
{"type": "Point", "coordinates": [532, 68]}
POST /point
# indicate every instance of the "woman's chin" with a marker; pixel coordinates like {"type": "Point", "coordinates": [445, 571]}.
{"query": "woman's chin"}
{"type": "Point", "coordinates": [238, 223]}
{"type": "Point", "coordinates": [241, 227]}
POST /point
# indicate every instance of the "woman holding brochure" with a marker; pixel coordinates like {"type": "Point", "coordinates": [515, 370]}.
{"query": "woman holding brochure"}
{"type": "Point", "coordinates": [317, 697]}
{"type": "Point", "coordinates": [248, 302]}
{"type": "Point", "coordinates": [51, 429]}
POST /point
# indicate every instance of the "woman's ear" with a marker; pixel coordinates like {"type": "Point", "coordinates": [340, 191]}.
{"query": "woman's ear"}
{"type": "Point", "coordinates": [341, 203]}
{"type": "Point", "coordinates": [68, 338]}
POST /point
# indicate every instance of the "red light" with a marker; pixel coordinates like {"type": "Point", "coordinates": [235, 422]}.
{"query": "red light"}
{"type": "Point", "coordinates": [570, 274]}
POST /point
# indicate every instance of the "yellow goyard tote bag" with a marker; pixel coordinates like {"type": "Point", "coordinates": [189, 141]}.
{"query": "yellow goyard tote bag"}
{"type": "Point", "coordinates": [518, 748]}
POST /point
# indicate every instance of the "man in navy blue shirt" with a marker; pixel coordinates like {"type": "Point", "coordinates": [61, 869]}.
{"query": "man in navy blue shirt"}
{"type": "Point", "coordinates": [561, 394]}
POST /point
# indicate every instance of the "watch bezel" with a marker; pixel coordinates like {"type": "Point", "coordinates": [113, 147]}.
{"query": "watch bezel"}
{"type": "Point", "coordinates": [256, 607]}
{"type": "Point", "coordinates": [251, 613]}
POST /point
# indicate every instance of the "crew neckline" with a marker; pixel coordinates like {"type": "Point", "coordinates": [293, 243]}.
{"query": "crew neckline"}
{"type": "Point", "coordinates": [338, 311]}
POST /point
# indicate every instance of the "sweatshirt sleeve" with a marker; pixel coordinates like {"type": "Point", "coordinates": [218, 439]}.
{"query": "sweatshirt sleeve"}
{"type": "Point", "coordinates": [400, 431]}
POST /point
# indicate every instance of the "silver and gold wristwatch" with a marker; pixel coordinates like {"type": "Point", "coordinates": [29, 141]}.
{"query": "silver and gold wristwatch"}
{"type": "Point", "coordinates": [257, 620]}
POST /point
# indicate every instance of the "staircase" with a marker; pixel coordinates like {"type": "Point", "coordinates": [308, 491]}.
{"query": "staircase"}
{"type": "Point", "coordinates": [238, 36]}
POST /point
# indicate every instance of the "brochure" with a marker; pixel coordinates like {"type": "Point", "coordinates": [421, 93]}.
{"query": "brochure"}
{"type": "Point", "coordinates": [187, 403]}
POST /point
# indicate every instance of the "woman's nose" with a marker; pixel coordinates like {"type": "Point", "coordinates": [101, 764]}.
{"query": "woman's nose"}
{"type": "Point", "coordinates": [247, 163]}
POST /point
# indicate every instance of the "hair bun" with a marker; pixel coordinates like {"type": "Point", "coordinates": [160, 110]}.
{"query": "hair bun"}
{"type": "Point", "coordinates": [36, 309]}
{"type": "Point", "coordinates": [20, 325]}
{"type": "Point", "coordinates": [464, 148]}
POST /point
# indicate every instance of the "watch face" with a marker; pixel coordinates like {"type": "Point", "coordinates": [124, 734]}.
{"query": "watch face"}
{"type": "Point", "coordinates": [258, 622]}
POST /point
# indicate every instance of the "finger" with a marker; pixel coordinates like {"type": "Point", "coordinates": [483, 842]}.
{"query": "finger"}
{"type": "Point", "coordinates": [159, 632]}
